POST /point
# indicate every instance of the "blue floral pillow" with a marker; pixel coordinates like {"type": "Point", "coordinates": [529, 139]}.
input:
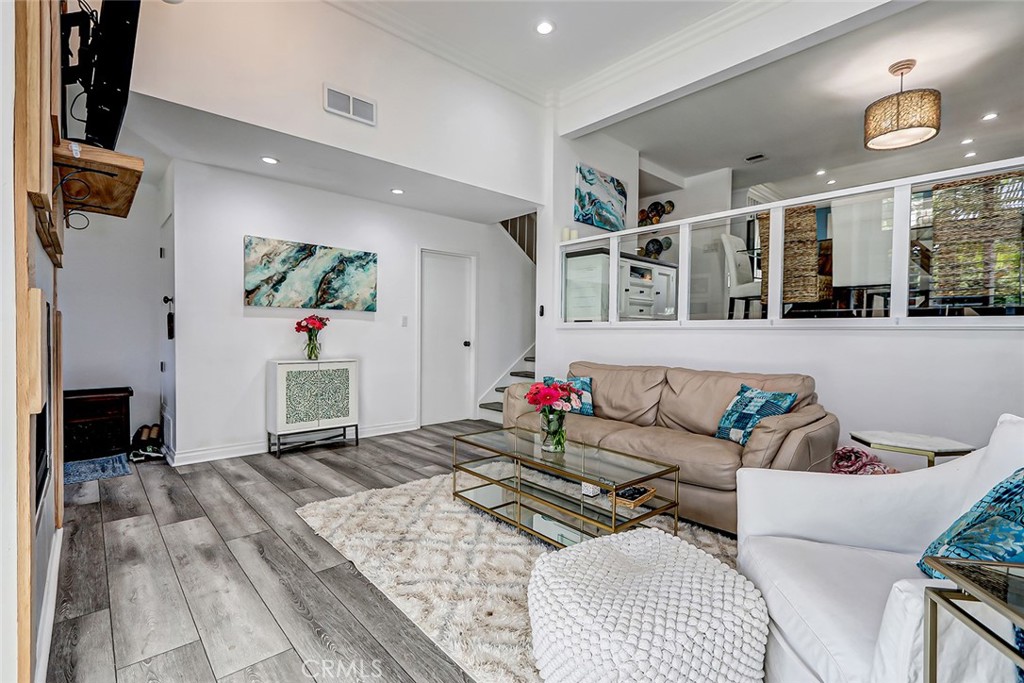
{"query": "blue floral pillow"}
{"type": "Point", "coordinates": [748, 408]}
{"type": "Point", "coordinates": [992, 530]}
{"type": "Point", "coordinates": [584, 384]}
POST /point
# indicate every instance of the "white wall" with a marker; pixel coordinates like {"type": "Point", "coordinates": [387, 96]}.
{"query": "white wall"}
{"type": "Point", "coordinates": [265, 63]}
{"type": "Point", "coordinates": [8, 369]}
{"type": "Point", "coordinates": [223, 346]}
{"type": "Point", "coordinates": [110, 292]}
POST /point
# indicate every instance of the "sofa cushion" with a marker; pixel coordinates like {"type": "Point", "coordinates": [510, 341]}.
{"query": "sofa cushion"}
{"type": "Point", "coordinates": [750, 407]}
{"type": "Point", "coordinates": [588, 430]}
{"type": "Point", "coordinates": [992, 530]}
{"type": "Point", "coordinates": [694, 400]}
{"type": "Point", "coordinates": [826, 601]}
{"type": "Point", "coordinates": [628, 393]}
{"type": "Point", "coordinates": [703, 460]}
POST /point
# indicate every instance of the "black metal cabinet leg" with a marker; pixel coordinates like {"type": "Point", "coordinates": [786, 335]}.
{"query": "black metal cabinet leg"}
{"type": "Point", "coordinates": [357, 434]}
{"type": "Point", "coordinates": [278, 446]}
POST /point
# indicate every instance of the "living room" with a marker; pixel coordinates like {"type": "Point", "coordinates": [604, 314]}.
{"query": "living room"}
{"type": "Point", "coordinates": [462, 174]}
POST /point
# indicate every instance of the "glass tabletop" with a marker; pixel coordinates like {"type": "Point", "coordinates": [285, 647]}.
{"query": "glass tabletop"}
{"type": "Point", "coordinates": [606, 468]}
{"type": "Point", "coordinates": [991, 582]}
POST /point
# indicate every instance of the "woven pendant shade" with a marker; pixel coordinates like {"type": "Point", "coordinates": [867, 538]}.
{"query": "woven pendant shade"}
{"type": "Point", "coordinates": [903, 119]}
{"type": "Point", "coordinates": [978, 237]}
{"type": "Point", "coordinates": [800, 255]}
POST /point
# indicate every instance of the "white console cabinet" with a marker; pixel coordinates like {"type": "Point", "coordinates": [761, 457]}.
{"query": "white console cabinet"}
{"type": "Point", "coordinates": [308, 396]}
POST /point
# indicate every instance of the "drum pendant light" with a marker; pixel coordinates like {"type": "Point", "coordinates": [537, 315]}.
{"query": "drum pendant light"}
{"type": "Point", "coordinates": [902, 119]}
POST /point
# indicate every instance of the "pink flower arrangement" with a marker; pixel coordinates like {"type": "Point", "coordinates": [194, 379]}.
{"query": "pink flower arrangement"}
{"type": "Point", "coordinates": [554, 397]}
{"type": "Point", "coordinates": [311, 326]}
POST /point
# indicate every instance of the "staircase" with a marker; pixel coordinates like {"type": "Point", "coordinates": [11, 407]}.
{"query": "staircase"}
{"type": "Point", "coordinates": [491, 410]}
{"type": "Point", "coordinates": [523, 229]}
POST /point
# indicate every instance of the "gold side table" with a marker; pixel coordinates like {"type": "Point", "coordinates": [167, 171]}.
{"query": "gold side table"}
{"type": "Point", "coordinates": [914, 444]}
{"type": "Point", "coordinates": [1000, 585]}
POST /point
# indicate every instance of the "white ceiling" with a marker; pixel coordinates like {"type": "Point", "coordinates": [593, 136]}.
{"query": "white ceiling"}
{"type": "Point", "coordinates": [805, 111]}
{"type": "Point", "coordinates": [497, 39]}
{"type": "Point", "coordinates": [158, 130]}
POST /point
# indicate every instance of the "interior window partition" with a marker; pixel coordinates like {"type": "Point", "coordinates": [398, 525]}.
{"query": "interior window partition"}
{"type": "Point", "coordinates": [967, 247]}
{"type": "Point", "coordinates": [585, 271]}
{"type": "Point", "coordinates": [837, 257]}
{"type": "Point", "coordinates": [647, 284]}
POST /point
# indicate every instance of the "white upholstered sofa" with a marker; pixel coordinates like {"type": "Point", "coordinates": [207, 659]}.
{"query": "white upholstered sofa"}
{"type": "Point", "coordinates": [835, 559]}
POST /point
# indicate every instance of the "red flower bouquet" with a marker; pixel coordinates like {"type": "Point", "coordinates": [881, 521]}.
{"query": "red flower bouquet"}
{"type": "Point", "coordinates": [553, 400]}
{"type": "Point", "coordinates": [311, 326]}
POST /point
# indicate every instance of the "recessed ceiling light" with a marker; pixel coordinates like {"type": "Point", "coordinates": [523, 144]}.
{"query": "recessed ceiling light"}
{"type": "Point", "coordinates": [970, 154]}
{"type": "Point", "coordinates": [966, 141]}
{"type": "Point", "coordinates": [989, 116]}
{"type": "Point", "coordinates": [545, 27]}
{"type": "Point", "coordinates": [821, 171]}
{"type": "Point", "coordinates": [395, 190]}
{"type": "Point", "coordinates": [268, 160]}
{"type": "Point", "coordinates": [831, 182]}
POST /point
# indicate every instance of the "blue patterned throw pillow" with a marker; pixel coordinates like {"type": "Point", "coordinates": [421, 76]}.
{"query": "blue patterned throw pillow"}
{"type": "Point", "coordinates": [992, 530]}
{"type": "Point", "coordinates": [750, 407]}
{"type": "Point", "coordinates": [586, 395]}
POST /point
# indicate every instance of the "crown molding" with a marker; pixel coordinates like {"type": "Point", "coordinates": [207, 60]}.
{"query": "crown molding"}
{"type": "Point", "coordinates": [378, 14]}
{"type": "Point", "coordinates": [708, 28]}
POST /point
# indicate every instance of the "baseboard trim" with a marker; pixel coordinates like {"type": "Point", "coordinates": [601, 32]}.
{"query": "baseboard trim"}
{"type": "Point", "coordinates": [44, 634]}
{"type": "Point", "coordinates": [197, 455]}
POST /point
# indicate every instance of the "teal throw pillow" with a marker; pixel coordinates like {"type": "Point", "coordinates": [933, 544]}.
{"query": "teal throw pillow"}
{"type": "Point", "coordinates": [748, 408]}
{"type": "Point", "coordinates": [584, 384]}
{"type": "Point", "coordinates": [992, 530]}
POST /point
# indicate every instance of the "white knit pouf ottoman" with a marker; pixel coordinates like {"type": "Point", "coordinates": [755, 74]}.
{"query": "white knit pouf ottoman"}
{"type": "Point", "coordinates": [644, 606]}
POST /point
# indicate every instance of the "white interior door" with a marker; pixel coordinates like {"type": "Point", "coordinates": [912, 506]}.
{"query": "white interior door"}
{"type": "Point", "coordinates": [446, 319]}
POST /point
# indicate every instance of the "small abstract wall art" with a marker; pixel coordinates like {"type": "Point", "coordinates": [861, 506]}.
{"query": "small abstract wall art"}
{"type": "Point", "coordinates": [297, 275]}
{"type": "Point", "coordinates": [600, 199]}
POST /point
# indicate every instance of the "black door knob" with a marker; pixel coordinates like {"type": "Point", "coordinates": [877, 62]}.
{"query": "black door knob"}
{"type": "Point", "coordinates": [466, 343]}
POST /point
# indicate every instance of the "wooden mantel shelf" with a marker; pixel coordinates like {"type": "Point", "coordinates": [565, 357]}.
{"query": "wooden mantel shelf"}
{"type": "Point", "coordinates": [101, 181]}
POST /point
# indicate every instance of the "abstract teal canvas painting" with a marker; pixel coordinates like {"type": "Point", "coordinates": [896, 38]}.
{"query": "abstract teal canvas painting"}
{"type": "Point", "coordinates": [600, 199]}
{"type": "Point", "coordinates": [287, 274]}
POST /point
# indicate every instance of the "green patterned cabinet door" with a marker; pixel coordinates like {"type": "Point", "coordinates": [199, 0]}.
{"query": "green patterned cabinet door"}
{"type": "Point", "coordinates": [316, 395]}
{"type": "Point", "coordinates": [304, 396]}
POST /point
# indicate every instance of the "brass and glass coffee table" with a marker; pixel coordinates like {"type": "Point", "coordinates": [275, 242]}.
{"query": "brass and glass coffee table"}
{"type": "Point", "coordinates": [505, 473]}
{"type": "Point", "coordinates": [1000, 585]}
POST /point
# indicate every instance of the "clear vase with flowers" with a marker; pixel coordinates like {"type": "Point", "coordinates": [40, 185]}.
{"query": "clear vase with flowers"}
{"type": "Point", "coordinates": [553, 400]}
{"type": "Point", "coordinates": [311, 326]}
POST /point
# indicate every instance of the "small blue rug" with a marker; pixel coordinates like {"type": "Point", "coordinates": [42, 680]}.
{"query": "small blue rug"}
{"type": "Point", "coordinates": [97, 468]}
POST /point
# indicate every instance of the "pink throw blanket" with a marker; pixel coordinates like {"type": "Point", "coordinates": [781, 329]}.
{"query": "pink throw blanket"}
{"type": "Point", "coordinates": [856, 461]}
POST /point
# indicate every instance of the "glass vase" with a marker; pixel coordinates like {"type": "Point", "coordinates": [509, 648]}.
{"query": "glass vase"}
{"type": "Point", "coordinates": [312, 346]}
{"type": "Point", "coordinates": [553, 425]}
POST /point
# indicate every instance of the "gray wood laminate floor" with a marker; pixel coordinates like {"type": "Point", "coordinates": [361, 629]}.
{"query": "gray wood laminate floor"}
{"type": "Point", "coordinates": [205, 574]}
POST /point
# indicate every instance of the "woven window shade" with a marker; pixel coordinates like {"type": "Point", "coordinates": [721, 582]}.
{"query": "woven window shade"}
{"type": "Point", "coordinates": [800, 255]}
{"type": "Point", "coordinates": [978, 237]}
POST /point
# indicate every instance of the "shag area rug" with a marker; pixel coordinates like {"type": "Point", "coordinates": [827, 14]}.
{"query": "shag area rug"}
{"type": "Point", "coordinates": [461, 576]}
{"type": "Point", "coordinates": [98, 468]}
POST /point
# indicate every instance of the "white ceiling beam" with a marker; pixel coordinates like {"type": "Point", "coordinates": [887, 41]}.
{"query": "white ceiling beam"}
{"type": "Point", "coordinates": [740, 38]}
{"type": "Point", "coordinates": [659, 171]}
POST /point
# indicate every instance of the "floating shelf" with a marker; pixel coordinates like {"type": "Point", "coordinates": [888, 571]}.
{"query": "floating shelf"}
{"type": "Point", "coordinates": [96, 180]}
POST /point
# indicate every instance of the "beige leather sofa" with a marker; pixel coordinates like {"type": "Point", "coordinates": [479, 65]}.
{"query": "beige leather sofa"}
{"type": "Point", "coordinates": [671, 414]}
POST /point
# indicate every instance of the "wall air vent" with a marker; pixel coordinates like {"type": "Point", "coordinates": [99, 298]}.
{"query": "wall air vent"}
{"type": "Point", "coordinates": [756, 159]}
{"type": "Point", "coordinates": [350, 106]}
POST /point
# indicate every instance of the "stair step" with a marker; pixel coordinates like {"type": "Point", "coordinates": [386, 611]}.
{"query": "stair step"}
{"type": "Point", "coordinates": [528, 374]}
{"type": "Point", "coordinates": [500, 390]}
{"type": "Point", "coordinates": [531, 359]}
{"type": "Point", "coordinates": [493, 405]}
